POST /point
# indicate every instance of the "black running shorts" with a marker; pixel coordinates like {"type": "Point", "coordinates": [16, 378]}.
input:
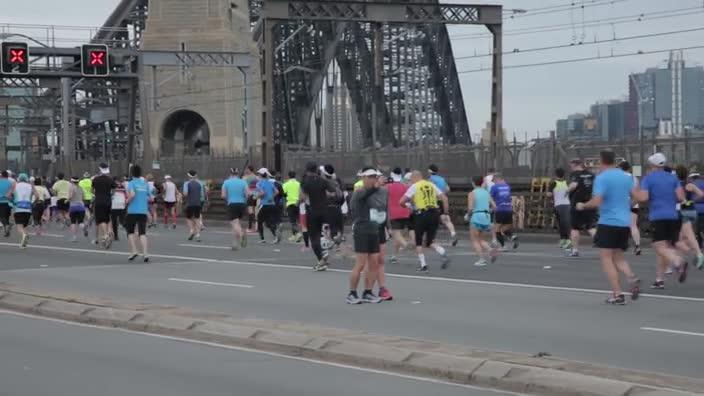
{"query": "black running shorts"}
{"type": "Point", "coordinates": [22, 218]}
{"type": "Point", "coordinates": [426, 224]}
{"type": "Point", "coordinates": [504, 218]}
{"type": "Point", "coordinates": [612, 237]}
{"type": "Point", "coordinates": [193, 212]}
{"type": "Point", "coordinates": [236, 211]}
{"type": "Point", "coordinates": [62, 205]}
{"type": "Point", "coordinates": [77, 217]}
{"type": "Point", "coordinates": [583, 220]}
{"type": "Point", "coordinates": [400, 224]}
{"type": "Point", "coordinates": [138, 221]}
{"type": "Point", "coordinates": [102, 214]}
{"type": "Point", "coordinates": [666, 230]}
{"type": "Point", "coordinates": [366, 241]}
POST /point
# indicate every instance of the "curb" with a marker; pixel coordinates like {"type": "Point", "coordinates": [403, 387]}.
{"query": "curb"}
{"type": "Point", "coordinates": [501, 371]}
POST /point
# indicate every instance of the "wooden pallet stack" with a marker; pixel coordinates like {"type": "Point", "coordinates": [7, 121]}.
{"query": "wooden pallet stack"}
{"type": "Point", "coordinates": [537, 204]}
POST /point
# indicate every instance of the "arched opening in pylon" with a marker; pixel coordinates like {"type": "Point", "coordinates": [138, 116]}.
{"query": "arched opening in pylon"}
{"type": "Point", "coordinates": [185, 132]}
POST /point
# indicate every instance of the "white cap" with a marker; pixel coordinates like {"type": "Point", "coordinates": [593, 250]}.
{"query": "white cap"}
{"type": "Point", "coordinates": [264, 171]}
{"type": "Point", "coordinates": [369, 172]}
{"type": "Point", "coordinates": [657, 159]}
{"type": "Point", "coordinates": [396, 177]}
{"type": "Point", "coordinates": [167, 177]}
{"type": "Point", "coordinates": [104, 171]}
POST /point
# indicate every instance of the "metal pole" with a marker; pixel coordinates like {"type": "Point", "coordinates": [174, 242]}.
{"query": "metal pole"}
{"type": "Point", "coordinates": [147, 155]}
{"type": "Point", "coordinates": [378, 65]}
{"type": "Point", "coordinates": [245, 114]}
{"type": "Point", "coordinates": [268, 93]}
{"type": "Point", "coordinates": [67, 156]}
{"type": "Point", "coordinates": [496, 95]}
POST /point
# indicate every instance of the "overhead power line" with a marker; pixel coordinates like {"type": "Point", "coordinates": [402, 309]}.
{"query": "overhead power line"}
{"type": "Point", "coordinates": [585, 59]}
{"type": "Point", "coordinates": [592, 23]}
{"type": "Point", "coordinates": [573, 5]}
{"type": "Point", "coordinates": [580, 44]}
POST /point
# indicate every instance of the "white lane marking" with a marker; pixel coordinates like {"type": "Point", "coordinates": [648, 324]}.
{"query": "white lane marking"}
{"type": "Point", "coordinates": [267, 353]}
{"type": "Point", "coordinates": [402, 276]}
{"type": "Point", "coordinates": [34, 234]}
{"type": "Point", "coordinates": [689, 333]}
{"type": "Point", "coordinates": [197, 245]}
{"type": "Point", "coordinates": [200, 282]}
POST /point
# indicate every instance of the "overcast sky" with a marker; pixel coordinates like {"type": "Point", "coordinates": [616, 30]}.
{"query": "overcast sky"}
{"type": "Point", "coordinates": [534, 97]}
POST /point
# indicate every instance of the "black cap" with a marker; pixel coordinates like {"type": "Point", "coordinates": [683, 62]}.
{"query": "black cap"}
{"type": "Point", "coordinates": [329, 169]}
{"type": "Point", "coordinates": [397, 171]}
{"type": "Point", "coordinates": [433, 168]}
{"type": "Point", "coordinates": [312, 167]}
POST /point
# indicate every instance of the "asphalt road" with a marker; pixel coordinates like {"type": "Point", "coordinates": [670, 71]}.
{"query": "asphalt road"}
{"type": "Point", "coordinates": [41, 357]}
{"type": "Point", "coordinates": [516, 304]}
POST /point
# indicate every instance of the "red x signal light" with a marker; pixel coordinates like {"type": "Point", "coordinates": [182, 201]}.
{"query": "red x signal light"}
{"type": "Point", "coordinates": [95, 60]}
{"type": "Point", "coordinates": [15, 58]}
{"type": "Point", "coordinates": [18, 56]}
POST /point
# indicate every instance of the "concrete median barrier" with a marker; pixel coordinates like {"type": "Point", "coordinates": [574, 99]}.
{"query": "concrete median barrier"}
{"type": "Point", "coordinates": [545, 376]}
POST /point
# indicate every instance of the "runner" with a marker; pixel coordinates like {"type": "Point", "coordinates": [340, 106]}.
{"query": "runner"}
{"type": "Point", "coordinates": [440, 183]}
{"type": "Point", "coordinates": [61, 189]}
{"type": "Point", "coordinates": [368, 213]}
{"type": "Point", "coordinates": [6, 192]}
{"type": "Point", "coordinates": [399, 216]}
{"type": "Point", "coordinates": [39, 204]}
{"type": "Point", "coordinates": [154, 194]}
{"type": "Point", "coordinates": [86, 184]}
{"type": "Point", "coordinates": [204, 202]}
{"type": "Point", "coordinates": [23, 194]}
{"type": "Point", "coordinates": [334, 217]}
{"type": "Point", "coordinates": [501, 195]}
{"type": "Point", "coordinates": [315, 190]}
{"type": "Point", "coordinates": [234, 192]}
{"type": "Point", "coordinates": [424, 197]}
{"type": "Point", "coordinates": [698, 181]}
{"type": "Point", "coordinates": [613, 192]}
{"type": "Point", "coordinates": [137, 209]}
{"type": "Point", "coordinates": [488, 182]}
{"type": "Point", "coordinates": [77, 209]}
{"type": "Point", "coordinates": [118, 206]}
{"type": "Point", "coordinates": [635, 211]}
{"type": "Point", "coordinates": [192, 191]}
{"type": "Point", "coordinates": [381, 200]}
{"type": "Point", "coordinates": [580, 188]}
{"type": "Point", "coordinates": [251, 180]}
{"type": "Point", "coordinates": [292, 192]}
{"type": "Point", "coordinates": [479, 205]}
{"type": "Point", "coordinates": [169, 197]}
{"type": "Point", "coordinates": [688, 214]}
{"type": "Point", "coordinates": [267, 214]}
{"type": "Point", "coordinates": [558, 190]}
{"type": "Point", "coordinates": [102, 190]}
{"type": "Point", "coordinates": [662, 191]}
{"type": "Point", "coordinates": [303, 208]}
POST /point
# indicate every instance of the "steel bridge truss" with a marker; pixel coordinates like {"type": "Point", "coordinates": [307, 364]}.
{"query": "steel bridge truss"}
{"type": "Point", "coordinates": [394, 58]}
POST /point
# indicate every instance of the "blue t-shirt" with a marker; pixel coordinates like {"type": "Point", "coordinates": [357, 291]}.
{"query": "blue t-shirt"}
{"type": "Point", "coordinates": [440, 183]}
{"type": "Point", "coordinates": [699, 204]}
{"type": "Point", "coordinates": [614, 187]}
{"type": "Point", "coordinates": [266, 189]}
{"type": "Point", "coordinates": [140, 202]}
{"type": "Point", "coordinates": [236, 190]}
{"type": "Point", "coordinates": [501, 194]}
{"type": "Point", "coordinates": [661, 187]}
{"type": "Point", "coordinates": [5, 186]}
{"type": "Point", "coordinates": [480, 211]}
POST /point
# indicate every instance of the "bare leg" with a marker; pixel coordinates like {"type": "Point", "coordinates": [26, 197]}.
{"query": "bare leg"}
{"type": "Point", "coordinates": [145, 246]}
{"type": "Point", "coordinates": [132, 238]}
{"type": "Point", "coordinates": [372, 271]}
{"type": "Point", "coordinates": [635, 232]}
{"type": "Point", "coordinates": [609, 268]}
{"type": "Point", "coordinates": [381, 275]}
{"type": "Point", "coordinates": [360, 263]}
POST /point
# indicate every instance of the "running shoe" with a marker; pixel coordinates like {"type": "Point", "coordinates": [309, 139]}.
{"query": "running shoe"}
{"type": "Point", "coordinates": [568, 244]}
{"type": "Point", "coordinates": [514, 239]}
{"type": "Point", "coordinates": [635, 289]}
{"type": "Point", "coordinates": [234, 247]}
{"type": "Point", "coordinates": [74, 239]}
{"type": "Point", "coordinates": [85, 231]}
{"type": "Point", "coordinates": [700, 262]}
{"type": "Point", "coordinates": [24, 242]}
{"type": "Point", "coordinates": [636, 250]}
{"type": "Point", "coordinates": [132, 257]}
{"type": "Point", "coordinates": [670, 269]}
{"type": "Point", "coordinates": [683, 272]}
{"type": "Point", "coordinates": [146, 259]}
{"type": "Point", "coordinates": [262, 241]}
{"type": "Point", "coordinates": [493, 255]}
{"type": "Point", "coordinates": [243, 241]}
{"type": "Point", "coordinates": [454, 240]}
{"type": "Point", "coordinates": [277, 238]}
{"type": "Point", "coordinates": [393, 260]}
{"type": "Point", "coordinates": [385, 294]}
{"type": "Point", "coordinates": [370, 298]}
{"type": "Point", "coordinates": [494, 244]}
{"type": "Point", "coordinates": [422, 269]}
{"type": "Point", "coordinates": [503, 249]}
{"type": "Point", "coordinates": [353, 299]}
{"type": "Point", "coordinates": [190, 237]}
{"type": "Point", "coordinates": [173, 226]}
{"type": "Point", "coordinates": [108, 243]}
{"type": "Point", "coordinates": [481, 263]}
{"type": "Point", "coordinates": [198, 238]}
{"type": "Point", "coordinates": [563, 243]}
{"type": "Point", "coordinates": [573, 253]}
{"type": "Point", "coordinates": [658, 285]}
{"type": "Point", "coordinates": [322, 265]}
{"type": "Point", "coordinates": [617, 300]}
{"type": "Point", "coordinates": [293, 238]}
{"type": "Point", "coordinates": [445, 261]}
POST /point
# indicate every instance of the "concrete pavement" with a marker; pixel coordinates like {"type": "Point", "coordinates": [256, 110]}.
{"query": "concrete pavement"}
{"type": "Point", "coordinates": [523, 314]}
{"type": "Point", "coordinates": [43, 357]}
